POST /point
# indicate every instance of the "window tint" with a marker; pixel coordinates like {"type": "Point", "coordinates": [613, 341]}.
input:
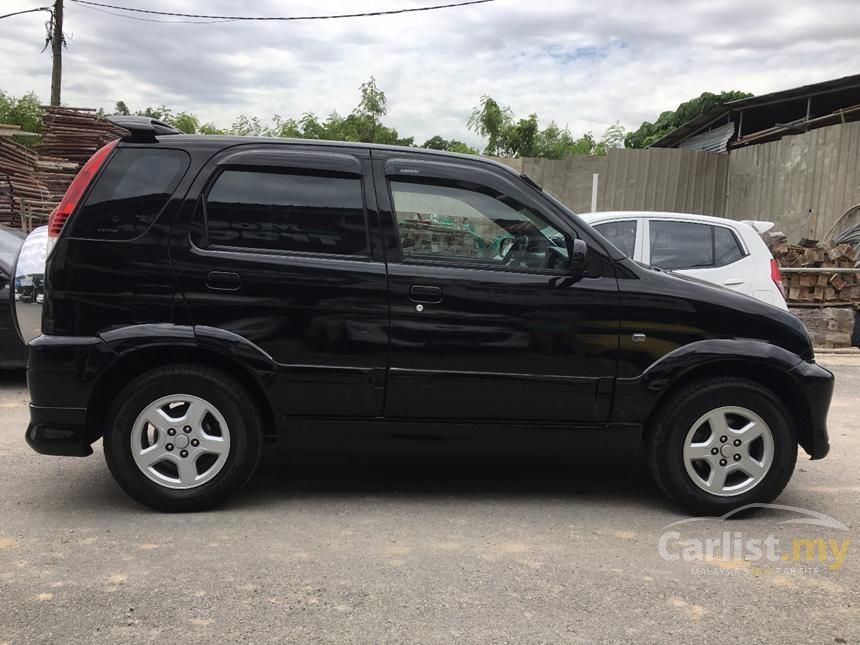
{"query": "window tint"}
{"type": "Point", "coordinates": [681, 245]}
{"type": "Point", "coordinates": [726, 247]}
{"type": "Point", "coordinates": [287, 212]}
{"type": "Point", "coordinates": [472, 225]}
{"type": "Point", "coordinates": [621, 234]}
{"type": "Point", "coordinates": [130, 193]}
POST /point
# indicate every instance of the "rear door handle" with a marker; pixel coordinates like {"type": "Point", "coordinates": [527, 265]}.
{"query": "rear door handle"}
{"type": "Point", "coordinates": [733, 281]}
{"type": "Point", "coordinates": [223, 281]}
{"type": "Point", "coordinates": [425, 293]}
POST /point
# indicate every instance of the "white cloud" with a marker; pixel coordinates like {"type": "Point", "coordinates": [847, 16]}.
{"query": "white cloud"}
{"type": "Point", "coordinates": [581, 64]}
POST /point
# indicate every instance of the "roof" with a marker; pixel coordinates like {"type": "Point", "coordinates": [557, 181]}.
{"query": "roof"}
{"type": "Point", "coordinates": [227, 140]}
{"type": "Point", "coordinates": [606, 216]}
{"type": "Point", "coordinates": [716, 112]}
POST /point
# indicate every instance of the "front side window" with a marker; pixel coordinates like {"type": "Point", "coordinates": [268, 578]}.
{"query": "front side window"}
{"type": "Point", "coordinates": [287, 212]}
{"type": "Point", "coordinates": [621, 234]}
{"type": "Point", "coordinates": [468, 224]}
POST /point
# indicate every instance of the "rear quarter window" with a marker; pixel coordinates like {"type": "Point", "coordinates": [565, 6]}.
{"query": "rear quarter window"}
{"type": "Point", "coordinates": [130, 193]}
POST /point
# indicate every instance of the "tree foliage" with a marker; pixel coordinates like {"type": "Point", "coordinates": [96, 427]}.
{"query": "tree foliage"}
{"type": "Point", "coordinates": [508, 136]}
{"type": "Point", "coordinates": [24, 111]}
{"type": "Point", "coordinates": [504, 133]}
{"type": "Point", "coordinates": [649, 132]}
{"type": "Point", "coordinates": [452, 145]}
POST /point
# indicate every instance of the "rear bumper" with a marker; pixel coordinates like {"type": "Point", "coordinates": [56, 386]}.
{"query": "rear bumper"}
{"type": "Point", "coordinates": [61, 373]}
{"type": "Point", "coordinates": [816, 383]}
{"type": "Point", "coordinates": [58, 431]}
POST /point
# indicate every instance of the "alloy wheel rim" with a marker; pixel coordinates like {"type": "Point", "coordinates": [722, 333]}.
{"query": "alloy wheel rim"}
{"type": "Point", "coordinates": [180, 441]}
{"type": "Point", "coordinates": [728, 451]}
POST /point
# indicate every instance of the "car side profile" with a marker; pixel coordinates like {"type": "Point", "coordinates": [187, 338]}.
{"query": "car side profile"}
{"type": "Point", "coordinates": [726, 252]}
{"type": "Point", "coordinates": [206, 296]}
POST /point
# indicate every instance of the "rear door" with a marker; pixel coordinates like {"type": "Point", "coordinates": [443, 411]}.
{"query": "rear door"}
{"type": "Point", "coordinates": [280, 253]}
{"type": "Point", "coordinates": [477, 333]}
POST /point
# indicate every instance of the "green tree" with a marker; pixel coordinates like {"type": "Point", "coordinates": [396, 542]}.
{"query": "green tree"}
{"type": "Point", "coordinates": [185, 122]}
{"type": "Point", "coordinates": [210, 128]}
{"type": "Point", "coordinates": [439, 143]}
{"type": "Point", "coordinates": [648, 132]}
{"type": "Point", "coordinates": [25, 111]}
{"type": "Point", "coordinates": [510, 137]}
{"type": "Point", "coordinates": [121, 109]}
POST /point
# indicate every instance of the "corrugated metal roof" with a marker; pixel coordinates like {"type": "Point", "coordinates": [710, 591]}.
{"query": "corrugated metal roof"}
{"type": "Point", "coordinates": [715, 112]}
{"type": "Point", "coordinates": [715, 140]}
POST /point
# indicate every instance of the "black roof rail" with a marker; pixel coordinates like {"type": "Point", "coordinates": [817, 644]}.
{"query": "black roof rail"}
{"type": "Point", "coordinates": [142, 129]}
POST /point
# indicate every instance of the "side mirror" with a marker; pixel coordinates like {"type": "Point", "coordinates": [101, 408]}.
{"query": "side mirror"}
{"type": "Point", "coordinates": [577, 251]}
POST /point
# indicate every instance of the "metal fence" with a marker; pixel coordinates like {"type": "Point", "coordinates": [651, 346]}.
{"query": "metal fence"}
{"type": "Point", "coordinates": [802, 182]}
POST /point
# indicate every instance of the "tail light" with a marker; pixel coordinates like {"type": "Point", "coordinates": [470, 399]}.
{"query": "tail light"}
{"type": "Point", "coordinates": [60, 215]}
{"type": "Point", "coordinates": [776, 276]}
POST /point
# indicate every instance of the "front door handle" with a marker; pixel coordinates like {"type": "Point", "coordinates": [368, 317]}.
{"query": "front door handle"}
{"type": "Point", "coordinates": [223, 281]}
{"type": "Point", "coordinates": [425, 293]}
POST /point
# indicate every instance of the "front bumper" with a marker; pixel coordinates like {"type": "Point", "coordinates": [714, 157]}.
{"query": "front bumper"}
{"type": "Point", "coordinates": [58, 431]}
{"type": "Point", "coordinates": [816, 383]}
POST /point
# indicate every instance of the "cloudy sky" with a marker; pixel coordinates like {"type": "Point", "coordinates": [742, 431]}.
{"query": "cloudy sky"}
{"type": "Point", "coordinates": [582, 64]}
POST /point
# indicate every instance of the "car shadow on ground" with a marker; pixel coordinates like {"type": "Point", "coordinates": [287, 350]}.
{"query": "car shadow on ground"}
{"type": "Point", "coordinates": [392, 476]}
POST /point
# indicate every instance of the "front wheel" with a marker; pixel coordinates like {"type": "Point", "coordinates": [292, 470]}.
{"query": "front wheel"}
{"type": "Point", "coordinates": [722, 444]}
{"type": "Point", "coordinates": [183, 438]}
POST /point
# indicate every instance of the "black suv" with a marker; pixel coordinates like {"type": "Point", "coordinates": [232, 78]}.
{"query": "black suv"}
{"type": "Point", "coordinates": [206, 294]}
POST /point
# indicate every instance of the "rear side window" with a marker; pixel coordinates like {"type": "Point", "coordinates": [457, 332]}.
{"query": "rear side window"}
{"type": "Point", "coordinates": [621, 234]}
{"type": "Point", "coordinates": [726, 247]}
{"type": "Point", "coordinates": [130, 193]}
{"type": "Point", "coordinates": [287, 212]}
{"type": "Point", "coordinates": [688, 245]}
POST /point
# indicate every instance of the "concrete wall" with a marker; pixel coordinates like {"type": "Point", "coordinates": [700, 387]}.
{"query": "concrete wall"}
{"type": "Point", "coordinates": [803, 183]}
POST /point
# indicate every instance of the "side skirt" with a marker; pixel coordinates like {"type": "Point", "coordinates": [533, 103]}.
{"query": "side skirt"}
{"type": "Point", "coordinates": [301, 435]}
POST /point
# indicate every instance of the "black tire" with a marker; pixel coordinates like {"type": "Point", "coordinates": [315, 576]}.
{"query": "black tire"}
{"type": "Point", "coordinates": [225, 393]}
{"type": "Point", "coordinates": [675, 418]}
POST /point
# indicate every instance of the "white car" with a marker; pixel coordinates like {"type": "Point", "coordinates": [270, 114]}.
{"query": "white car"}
{"type": "Point", "coordinates": [726, 252]}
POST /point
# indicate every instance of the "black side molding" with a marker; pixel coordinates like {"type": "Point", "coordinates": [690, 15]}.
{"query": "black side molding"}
{"type": "Point", "coordinates": [142, 129]}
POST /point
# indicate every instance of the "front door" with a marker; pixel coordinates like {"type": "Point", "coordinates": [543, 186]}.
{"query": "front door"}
{"type": "Point", "coordinates": [279, 253]}
{"type": "Point", "coordinates": [487, 322]}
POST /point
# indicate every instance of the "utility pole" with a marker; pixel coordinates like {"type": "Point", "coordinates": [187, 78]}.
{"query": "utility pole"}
{"type": "Point", "coordinates": [57, 51]}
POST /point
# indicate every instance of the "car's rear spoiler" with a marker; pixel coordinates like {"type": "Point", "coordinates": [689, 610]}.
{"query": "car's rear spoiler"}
{"type": "Point", "coordinates": [142, 129]}
{"type": "Point", "coordinates": [761, 227]}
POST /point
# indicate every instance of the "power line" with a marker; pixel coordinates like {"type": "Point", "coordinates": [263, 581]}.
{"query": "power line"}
{"type": "Point", "coordinates": [164, 22]}
{"type": "Point", "coordinates": [18, 13]}
{"type": "Point", "coordinates": [281, 18]}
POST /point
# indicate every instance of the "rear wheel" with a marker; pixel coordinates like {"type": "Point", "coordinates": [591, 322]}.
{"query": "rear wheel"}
{"type": "Point", "coordinates": [722, 444]}
{"type": "Point", "coordinates": [183, 438]}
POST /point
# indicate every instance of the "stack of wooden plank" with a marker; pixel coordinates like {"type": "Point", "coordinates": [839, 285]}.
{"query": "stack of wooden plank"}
{"type": "Point", "coordinates": [815, 272]}
{"type": "Point", "coordinates": [33, 180]}
{"type": "Point", "coordinates": [74, 134]}
{"type": "Point", "coordinates": [828, 327]}
{"type": "Point", "coordinates": [19, 187]}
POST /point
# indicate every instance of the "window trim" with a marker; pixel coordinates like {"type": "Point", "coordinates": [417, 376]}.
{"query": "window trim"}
{"type": "Point", "coordinates": [281, 170]}
{"type": "Point", "coordinates": [448, 262]}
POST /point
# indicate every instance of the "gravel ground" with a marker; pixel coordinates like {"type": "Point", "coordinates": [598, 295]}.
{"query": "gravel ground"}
{"type": "Point", "coordinates": [444, 551]}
